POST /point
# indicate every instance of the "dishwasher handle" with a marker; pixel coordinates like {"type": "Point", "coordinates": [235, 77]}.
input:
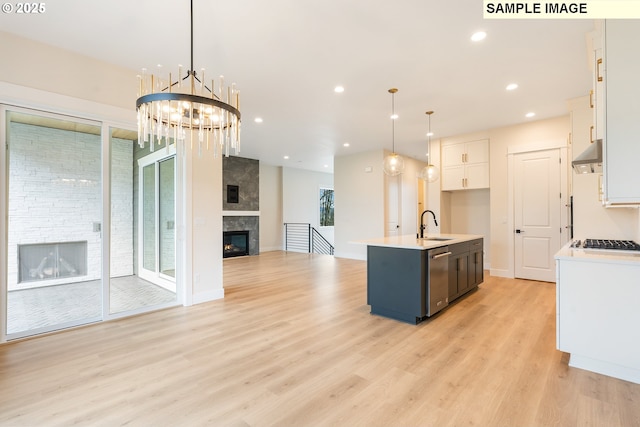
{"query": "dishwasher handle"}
{"type": "Point", "coordinates": [442, 255]}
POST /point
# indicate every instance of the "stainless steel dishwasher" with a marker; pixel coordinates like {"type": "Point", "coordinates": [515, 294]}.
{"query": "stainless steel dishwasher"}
{"type": "Point", "coordinates": [437, 279]}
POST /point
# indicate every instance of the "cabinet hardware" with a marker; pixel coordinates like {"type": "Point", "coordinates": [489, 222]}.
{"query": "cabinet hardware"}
{"type": "Point", "coordinates": [591, 98]}
{"type": "Point", "coordinates": [591, 134]}
{"type": "Point", "coordinates": [599, 63]}
{"type": "Point", "coordinates": [444, 254]}
{"type": "Point", "coordinates": [462, 157]}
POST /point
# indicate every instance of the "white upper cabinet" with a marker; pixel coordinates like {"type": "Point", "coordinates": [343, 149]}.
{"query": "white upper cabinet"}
{"type": "Point", "coordinates": [465, 165]}
{"type": "Point", "coordinates": [618, 110]}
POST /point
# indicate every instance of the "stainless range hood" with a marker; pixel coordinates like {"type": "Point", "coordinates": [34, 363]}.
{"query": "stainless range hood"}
{"type": "Point", "coordinates": [590, 160]}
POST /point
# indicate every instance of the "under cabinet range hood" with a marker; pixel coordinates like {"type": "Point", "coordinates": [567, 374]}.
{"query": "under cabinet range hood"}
{"type": "Point", "coordinates": [590, 160]}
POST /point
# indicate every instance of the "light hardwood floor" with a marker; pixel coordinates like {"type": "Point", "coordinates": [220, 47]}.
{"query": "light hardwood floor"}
{"type": "Point", "coordinates": [293, 344]}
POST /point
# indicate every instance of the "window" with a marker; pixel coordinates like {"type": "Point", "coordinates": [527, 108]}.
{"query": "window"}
{"type": "Point", "coordinates": [326, 207]}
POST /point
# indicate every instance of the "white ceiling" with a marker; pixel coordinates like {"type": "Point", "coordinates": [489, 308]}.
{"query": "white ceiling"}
{"type": "Point", "coordinates": [286, 57]}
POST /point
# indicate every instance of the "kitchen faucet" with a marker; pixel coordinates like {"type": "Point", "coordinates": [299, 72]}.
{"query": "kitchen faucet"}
{"type": "Point", "coordinates": [422, 226]}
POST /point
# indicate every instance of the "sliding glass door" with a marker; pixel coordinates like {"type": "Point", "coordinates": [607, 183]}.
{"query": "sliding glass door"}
{"type": "Point", "coordinates": [132, 288]}
{"type": "Point", "coordinates": [156, 220]}
{"type": "Point", "coordinates": [76, 251]}
{"type": "Point", "coordinates": [54, 234]}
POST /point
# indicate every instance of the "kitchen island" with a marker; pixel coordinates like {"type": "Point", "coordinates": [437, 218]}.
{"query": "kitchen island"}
{"type": "Point", "coordinates": [410, 279]}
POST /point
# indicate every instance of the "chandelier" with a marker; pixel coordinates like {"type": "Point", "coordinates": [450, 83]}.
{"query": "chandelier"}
{"type": "Point", "coordinates": [429, 173]}
{"type": "Point", "coordinates": [186, 109]}
{"type": "Point", "coordinates": [393, 164]}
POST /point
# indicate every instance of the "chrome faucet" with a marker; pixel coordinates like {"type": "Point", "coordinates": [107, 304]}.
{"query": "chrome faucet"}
{"type": "Point", "coordinates": [422, 226]}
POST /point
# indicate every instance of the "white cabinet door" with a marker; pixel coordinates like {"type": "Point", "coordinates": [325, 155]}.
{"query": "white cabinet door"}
{"type": "Point", "coordinates": [453, 155]}
{"type": "Point", "coordinates": [622, 127]}
{"type": "Point", "coordinates": [477, 176]}
{"type": "Point", "coordinates": [477, 152]}
{"type": "Point", "coordinates": [453, 178]}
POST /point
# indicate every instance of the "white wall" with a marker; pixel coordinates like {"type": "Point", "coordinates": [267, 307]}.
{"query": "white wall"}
{"type": "Point", "coordinates": [270, 208]}
{"type": "Point", "coordinates": [204, 236]}
{"type": "Point", "coordinates": [359, 193]}
{"type": "Point", "coordinates": [301, 198]}
{"type": "Point", "coordinates": [60, 71]}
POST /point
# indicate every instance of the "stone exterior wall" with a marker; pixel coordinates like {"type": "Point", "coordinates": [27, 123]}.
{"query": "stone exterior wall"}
{"type": "Point", "coordinates": [55, 195]}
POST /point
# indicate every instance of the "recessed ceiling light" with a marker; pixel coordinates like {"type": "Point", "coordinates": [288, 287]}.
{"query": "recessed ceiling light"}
{"type": "Point", "coordinates": [531, 114]}
{"type": "Point", "coordinates": [480, 35]}
{"type": "Point", "coordinates": [258, 120]}
{"type": "Point", "coordinates": [394, 116]}
{"type": "Point", "coordinates": [326, 166]}
{"type": "Point", "coordinates": [512, 86]}
{"type": "Point", "coordinates": [286, 157]}
{"type": "Point", "coordinates": [338, 89]}
{"type": "Point", "coordinates": [429, 133]}
{"type": "Point", "coordinates": [346, 144]}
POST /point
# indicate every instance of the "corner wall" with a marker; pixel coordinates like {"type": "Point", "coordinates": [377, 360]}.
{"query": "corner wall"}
{"type": "Point", "coordinates": [271, 216]}
{"type": "Point", "coordinates": [359, 198]}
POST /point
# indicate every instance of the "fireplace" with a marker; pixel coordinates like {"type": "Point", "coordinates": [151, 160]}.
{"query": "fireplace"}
{"type": "Point", "coordinates": [235, 243]}
{"type": "Point", "coordinates": [44, 261]}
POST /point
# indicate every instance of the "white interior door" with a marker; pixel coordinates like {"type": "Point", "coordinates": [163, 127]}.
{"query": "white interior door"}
{"type": "Point", "coordinates": [537, 213]}
{"type": "Point", "coordinates": [393, 206]}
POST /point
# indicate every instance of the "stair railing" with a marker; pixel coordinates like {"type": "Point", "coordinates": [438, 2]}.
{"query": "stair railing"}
{"type": "Point", "coordinates": [302, 237]}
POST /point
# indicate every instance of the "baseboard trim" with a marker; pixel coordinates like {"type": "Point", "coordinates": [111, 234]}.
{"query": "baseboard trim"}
{"type": "Point", "coordinates": [208, 296]}
{"type": "Point", "coordinates": [500, 273]}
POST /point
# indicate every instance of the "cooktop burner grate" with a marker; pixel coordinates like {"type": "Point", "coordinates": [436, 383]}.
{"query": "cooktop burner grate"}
{"type": "Point", "coordinates": [620, 245]}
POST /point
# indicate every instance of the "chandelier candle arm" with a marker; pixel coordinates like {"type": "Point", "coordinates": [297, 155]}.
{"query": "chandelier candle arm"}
{"type": "Point", "coordinates": [168, 110]}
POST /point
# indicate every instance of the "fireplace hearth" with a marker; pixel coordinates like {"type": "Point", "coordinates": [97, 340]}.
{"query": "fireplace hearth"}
{"type": "Point", "coordinates": [235, 243]}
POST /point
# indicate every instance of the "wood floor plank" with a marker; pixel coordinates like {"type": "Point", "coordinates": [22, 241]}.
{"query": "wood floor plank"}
{"type": "Point", "coordinates": [293, 344]}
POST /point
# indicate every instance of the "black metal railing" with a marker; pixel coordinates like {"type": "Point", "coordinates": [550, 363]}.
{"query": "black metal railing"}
{"type": "Point", "coordinates": [302, 237]}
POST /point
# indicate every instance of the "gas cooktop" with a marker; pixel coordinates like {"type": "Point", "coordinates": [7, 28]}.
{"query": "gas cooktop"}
{"type": "Point", "coordinates": [619, 245]}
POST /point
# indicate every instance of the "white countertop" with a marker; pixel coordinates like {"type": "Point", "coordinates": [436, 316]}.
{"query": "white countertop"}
{"type": "Point", "coordinates": [411, 242]}
{"type": "Point", "coordinates": [567, 253]}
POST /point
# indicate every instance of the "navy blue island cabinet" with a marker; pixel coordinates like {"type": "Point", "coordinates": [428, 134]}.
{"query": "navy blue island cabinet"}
{"type": "Point", "coordinates": [414, 282]}
{"type": "Point", "coordinates": [396, 283]}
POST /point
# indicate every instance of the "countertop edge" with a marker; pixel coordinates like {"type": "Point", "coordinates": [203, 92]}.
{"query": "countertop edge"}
{"type": "Point", "coordinates": [567, 253]}
{"type": "Point", "coordinates": [411, 242]}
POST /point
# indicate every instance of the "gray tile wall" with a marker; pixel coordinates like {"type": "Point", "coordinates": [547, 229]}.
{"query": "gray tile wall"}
{"type": "Point", "coordinates": [245, 173]}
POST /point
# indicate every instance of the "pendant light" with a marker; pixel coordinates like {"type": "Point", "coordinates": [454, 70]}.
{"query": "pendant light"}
{"type": "Point", "coordinates": [393, 164]}
{"type": "Point", "coordinates": [429, 173]}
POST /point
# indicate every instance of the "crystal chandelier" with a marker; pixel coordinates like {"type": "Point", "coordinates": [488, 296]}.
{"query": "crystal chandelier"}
{"type": "Point", "coordinates": [393, 164]}
{"type": "Point", "coordinates": [185, 109]}
{"type": "Point", "coordinates": [429, 173]}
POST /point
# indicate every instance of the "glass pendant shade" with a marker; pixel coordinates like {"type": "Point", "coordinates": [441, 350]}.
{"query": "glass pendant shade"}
{"type": "Point", "coordinates": [429, 173]}
{"type": "Point", "coordinates": [393, 164]}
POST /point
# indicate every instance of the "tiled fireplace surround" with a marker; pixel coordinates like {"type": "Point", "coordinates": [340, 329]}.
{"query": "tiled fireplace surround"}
{"type": "Point", "coordinates": [244, 215]}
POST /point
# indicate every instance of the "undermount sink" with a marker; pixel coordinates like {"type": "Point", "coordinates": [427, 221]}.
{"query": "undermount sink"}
{"type": "Point", "coordinates": [437, 239]}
